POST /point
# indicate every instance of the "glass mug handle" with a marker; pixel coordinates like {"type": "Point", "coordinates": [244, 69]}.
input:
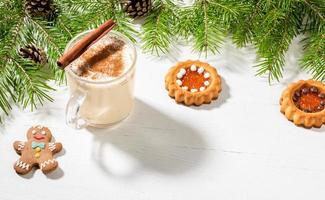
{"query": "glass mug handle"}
{"type": "Point", "coordinates": [72, 112]}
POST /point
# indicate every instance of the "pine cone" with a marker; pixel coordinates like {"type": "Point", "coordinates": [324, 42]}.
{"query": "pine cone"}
{"type": "Point", "coordinates": [33, 53]}
{"type": "Point", "coordinates": [136, 8]}
{"type": "Point", "coordinates": [40, 8]}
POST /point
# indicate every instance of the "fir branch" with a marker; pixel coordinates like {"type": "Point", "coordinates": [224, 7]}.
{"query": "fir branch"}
{"type": "Point", "coordinates": [184, 28]}
{"type": "Point", "coordinates": [88, 14]}
{"type": "Point", "coordinates": [10, 29]}
{"type": "Point", "coordinates": [313, 60]}
{"type": "Point", "coordinates": [31, 86]}
{"type": "Point", "coordinates": [314, 16]}
{"type": "Point", "coordinates": [207, 21]}
{"type": "Point", "coordinates": [50, 39]}
{"type": "Point", "coordinates": [201, 23]}
{"type": "Point", "coordinates": [273, 40]}
{"type": "Point", "coordinates": [124, 24]}
{"type": "Point", "coordinates": [4, 98]}
{"type": "Point", "coordinates": [37, 26]}
{"type": "Point", "coordinates": [242, 27]}
{"type": "Point", "coordinates": [22, 81]}
{"type": "Point", "coordinates": [157, 34]}
{"type": "Point", "coordinates": [316, 9]}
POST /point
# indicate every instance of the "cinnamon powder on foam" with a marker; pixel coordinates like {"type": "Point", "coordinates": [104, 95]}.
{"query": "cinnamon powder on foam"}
{"type": "Point", "coordinates": [103, 58]}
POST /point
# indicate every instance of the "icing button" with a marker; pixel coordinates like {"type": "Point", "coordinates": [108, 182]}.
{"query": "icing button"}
{"type": "Point", "coordinates": [321, 95]}
{"type": "Point", "coordinates": [314, 89]}
{"type": "Point", "coordinates": [185, 88]}
{"type": "Point", "coordinates": [37, 155]}
{"type": "Point", "coordinates": [206, 75]}
{"type": "Point", "coordinates": [179, 82]}
{"type": "Point", "coordinates": [200, 70]}
{"type": "Point", "coordinates": [193, 90]}
{"type": "Point", "coordinates": [322, 103]}
{"type": "Point", "coordinates": [193, 68]}
{"type": "Point", "coordinates": [305, 90]}
{"type": "Point", "coordinates": [182, 71]}
{"type": "Point", "coordinates": [206, 83]}
{"type": "Point", "coordinates": [179, 75]}
{"type": "Point", "coordinates": [37, 149]}
{"type": "Point", "coordinates": [202, 89]}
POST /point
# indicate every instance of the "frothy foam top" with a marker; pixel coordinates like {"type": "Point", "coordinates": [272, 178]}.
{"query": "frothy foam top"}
{"type": "Point", "coordinates": [107, 59]}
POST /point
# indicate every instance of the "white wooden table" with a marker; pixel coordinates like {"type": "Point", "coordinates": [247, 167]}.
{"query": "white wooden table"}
{"type": "Point", "coordinates": [239, 147]}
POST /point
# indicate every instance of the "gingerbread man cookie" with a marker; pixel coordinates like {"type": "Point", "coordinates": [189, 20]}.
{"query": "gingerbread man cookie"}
{"type": "Point", "coordinates": [38, 151]}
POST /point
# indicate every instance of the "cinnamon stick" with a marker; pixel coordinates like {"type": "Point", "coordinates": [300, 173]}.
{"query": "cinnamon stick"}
{"type": "Point", "coordinates": [83, 44]}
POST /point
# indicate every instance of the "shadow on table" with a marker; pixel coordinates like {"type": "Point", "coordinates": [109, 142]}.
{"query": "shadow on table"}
{"type": "Point", "coordinates": [173, 55]}
{"type": "Point", "coordinates": [54, 175]}
{"type": "Point", "coordinates": [319, 130]}
{"type": "Point", "coordinates": [153, 140]}
{"type": "Point", "coordinates": [222, 99]}
{"type": "Point", "coordinates": [233, 59]}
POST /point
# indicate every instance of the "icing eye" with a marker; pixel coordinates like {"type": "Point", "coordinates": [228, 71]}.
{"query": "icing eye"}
{"type": "Point", "coordinates": [43, 133]}
{"type": "Point", "coordinates": [33, 132]}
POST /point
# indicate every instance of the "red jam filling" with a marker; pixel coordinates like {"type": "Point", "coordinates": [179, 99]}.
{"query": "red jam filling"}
{"type": "Point", "coordinates": [309, 99]}
{"type": "Point", "coordinates": [193, 80]}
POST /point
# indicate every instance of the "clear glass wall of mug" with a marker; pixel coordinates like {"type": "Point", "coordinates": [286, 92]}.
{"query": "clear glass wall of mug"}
{"type": "Point", "coordinates": [100, 103]}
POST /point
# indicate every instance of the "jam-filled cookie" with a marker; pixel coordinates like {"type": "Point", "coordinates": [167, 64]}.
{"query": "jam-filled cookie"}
{"type": "Point", "coordinates": [303, 103]}
{"type": "Point", "coordinates": [193, 82]}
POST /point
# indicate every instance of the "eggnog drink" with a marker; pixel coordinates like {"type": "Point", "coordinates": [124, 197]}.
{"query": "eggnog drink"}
{"type": "Point", "coordinates": [101, 81]}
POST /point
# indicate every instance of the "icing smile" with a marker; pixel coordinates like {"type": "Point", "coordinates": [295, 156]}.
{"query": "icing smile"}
{"type": "Point", "coordinates": [39, 137]}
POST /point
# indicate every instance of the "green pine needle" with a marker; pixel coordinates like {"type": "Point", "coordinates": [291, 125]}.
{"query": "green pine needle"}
{"type": "Point", "coordinates": [157, 31]}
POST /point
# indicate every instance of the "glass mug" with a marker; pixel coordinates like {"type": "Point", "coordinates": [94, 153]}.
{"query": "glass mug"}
{"type": "Point", "coordinates": [100, 103]}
